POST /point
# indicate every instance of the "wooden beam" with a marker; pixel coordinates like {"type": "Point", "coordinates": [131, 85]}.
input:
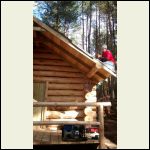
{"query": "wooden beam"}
{"type": "Point", "coordinates": [49, 73]}
{"type": "Point", "coordinates": [47, 62]}
{"type": "Point", "coordinates": [38, 29]}
{"type": "Point", "coordinates": [37, 123]}
{"type": "Point", "coordinates": [60, 79]}
{"type": "Point", "coordinates": [66, 92]}
{"type": "Point", "coordinates": [55, 68]}
{"type": "Point", "coordinates": [101, 127]}
{"type": "Point", "coordinates": [65, 98]}
{"type": "Point", "coordinates": [66, 86]}
{"type": "Point", "coordinates": [93, 71]}
{"type": "Point", "coordinates": [46, 56]}
{"type": "Point", "coordinates": [44, 104]}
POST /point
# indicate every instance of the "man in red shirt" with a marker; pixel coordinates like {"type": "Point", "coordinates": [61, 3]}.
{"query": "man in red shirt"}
{"type": "Point", "coordinates": [107, 58]}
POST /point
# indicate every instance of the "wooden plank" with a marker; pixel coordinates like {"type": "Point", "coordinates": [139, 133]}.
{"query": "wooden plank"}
{"type": "Point", "coordinates": [47, 62]}
{"type": "Point", "coordinates": [46, 56]}
{"type": "Point", "coordinates": [38, 29]}
{"type": "Point", "coordinates": [55, 68]}
{"type": "Point", "coordinates": [64, 122]}
{"type": "Point", "coordinates": [60, 80]}
{"type": "Point", "coordinates": [57, 74]}
{"type": "Point", "coordinates": [107, 71]}
{"type": "Point", "coordinates": [65, 92]}
{"type": "Point", "coordinates": [65, 98]}
{"type": "Point", "coordinates": [66, 86]}
{"type": "Point", "coordinates": [55, 138]}
{"type": "Point", "coordinates": [97, 104]}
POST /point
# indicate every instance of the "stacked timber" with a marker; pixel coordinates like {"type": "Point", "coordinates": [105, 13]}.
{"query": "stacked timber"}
{"type": "Point", "coordinates": [64, 83]}
{"type": "Point", "coordinates": [90, 112]}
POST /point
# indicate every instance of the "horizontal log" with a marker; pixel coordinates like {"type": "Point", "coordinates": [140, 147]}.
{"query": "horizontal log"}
{"type": "Point", "coordinates": [90, 113]}
{"type": "Point", "coordinates": [70, 49]}
{"type": "Point", "coordinates": [46, 56]}
{"type": "Point", "coordinates": [90, 94]}
{"type": "Point", "coordinates": [47, 62]}
{"type": "Point", "coordinates": [65, 98]}
{"type": "Point", "coordinates": [66, 108]}
{"type": "Point", "coordinates": [42, 50]}
{"type": "Point", "coordinates": [64, 123]}
{"type": "Point", "coordinates": [89, 118]}
{"type": "Point", "coordinates": [44, 104]}
{"type": "Point", "coordinates": [57, 74]}
{"type": "Point", "coordinates": [65, 92]}
{"type": "Point", "coordinates": [55, 68]}
{"type": "Point", "coordinates": [60, 80]}
{"type": "Point", "coordinates": [53, 115]}
{"type": "Point", "coordinates": [65, 114]}
{"type": "Point", "coordinates": [66, 86]}
{"type": "Point", "coordinates": [88, 110]}
{"type": "Point", "coordinates": [67, 57]}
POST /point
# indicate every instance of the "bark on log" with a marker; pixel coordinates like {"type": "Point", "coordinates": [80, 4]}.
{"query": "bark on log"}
{"type": "Point", "coordinates": [57, 74]}
{"type": "Point", "coordinates": [65, 98]}
{"type": "Point", "coordinates": [66, 86]}
{"type": "Point", "coordinates": [60, 80]}
{"type": "Point", "coordinates": [55, 68]}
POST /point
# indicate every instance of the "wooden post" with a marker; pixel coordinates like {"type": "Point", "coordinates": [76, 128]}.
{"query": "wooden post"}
{"type": "Point", "coordinates": [101, 126]}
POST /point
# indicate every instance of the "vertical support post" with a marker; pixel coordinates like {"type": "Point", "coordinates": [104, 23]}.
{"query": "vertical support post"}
{"type": "Point", "coordinates": [101, 126]}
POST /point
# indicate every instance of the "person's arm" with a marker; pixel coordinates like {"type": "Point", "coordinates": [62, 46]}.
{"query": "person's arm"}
{"type": "Point", "coordinates": [99, 56]}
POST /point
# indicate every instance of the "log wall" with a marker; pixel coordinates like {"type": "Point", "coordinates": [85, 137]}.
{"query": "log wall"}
{"type": "Point", "coordinates": [63, 83]}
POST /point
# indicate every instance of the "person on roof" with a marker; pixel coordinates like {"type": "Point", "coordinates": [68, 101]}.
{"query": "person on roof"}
{"type": "Point", "coordinates": [107, 58]}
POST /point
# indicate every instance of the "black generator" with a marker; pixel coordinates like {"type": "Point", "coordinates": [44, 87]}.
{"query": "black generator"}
{"type": "Point", "coordinates": [73, 133]}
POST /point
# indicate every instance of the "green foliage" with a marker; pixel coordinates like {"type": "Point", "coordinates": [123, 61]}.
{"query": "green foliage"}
{"type": "Point", "coordinates": [98, 17]}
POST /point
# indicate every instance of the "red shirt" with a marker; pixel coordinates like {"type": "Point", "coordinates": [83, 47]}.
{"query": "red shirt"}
{"type": "Point", "coordinates": [108, 55]}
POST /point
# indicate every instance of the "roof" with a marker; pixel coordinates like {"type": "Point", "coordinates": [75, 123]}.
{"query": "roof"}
{"type": "Point", "coordinates": [88, 65]}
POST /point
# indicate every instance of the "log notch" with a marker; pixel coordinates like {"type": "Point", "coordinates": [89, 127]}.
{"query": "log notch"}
{"type": "Point", "coordinates": [93, 71]}
{"type": "Point", "coordinates": [89, 111]}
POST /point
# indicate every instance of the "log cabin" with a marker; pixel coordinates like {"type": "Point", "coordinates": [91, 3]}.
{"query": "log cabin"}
{"type": "Point", "coordinates": [62, 72]}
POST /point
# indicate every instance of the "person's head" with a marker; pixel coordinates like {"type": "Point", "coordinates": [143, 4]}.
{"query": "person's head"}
{"type": "Point", "coordinates": [104, 47]}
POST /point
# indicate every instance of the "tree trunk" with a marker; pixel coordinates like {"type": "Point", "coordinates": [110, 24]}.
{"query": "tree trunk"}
{"type": "Point", "coordinates": [89, 33]}
{"type": "Point", "coordinates": [107, 32]}
{"type": "Point", "coordinates": [96, 48]}
{"type": "Point", "coordinates": [99, 34]}
{"type": "Point", "coordinates": [83, 27]}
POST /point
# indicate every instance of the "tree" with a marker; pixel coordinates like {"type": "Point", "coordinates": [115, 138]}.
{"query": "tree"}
{"type": "Point", "coordinates": [96, 20]}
